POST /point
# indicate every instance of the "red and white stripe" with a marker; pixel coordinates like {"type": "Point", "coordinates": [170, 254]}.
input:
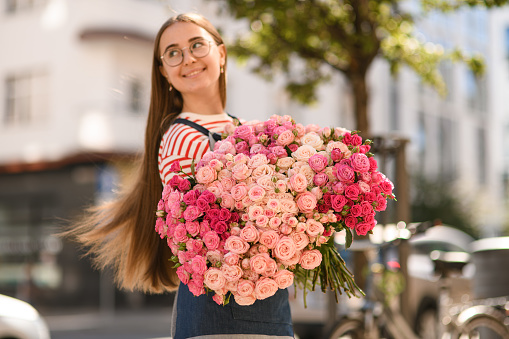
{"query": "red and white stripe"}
{"type": "Point", "coordinates": [184, 143]}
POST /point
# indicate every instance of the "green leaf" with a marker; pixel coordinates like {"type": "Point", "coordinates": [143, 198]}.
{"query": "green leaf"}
{"type": "Point", "coordinates": [349, 237]}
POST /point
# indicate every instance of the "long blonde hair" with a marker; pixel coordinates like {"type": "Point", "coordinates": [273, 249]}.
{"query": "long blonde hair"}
{"type": "Point", "coordinates": [121, 233]}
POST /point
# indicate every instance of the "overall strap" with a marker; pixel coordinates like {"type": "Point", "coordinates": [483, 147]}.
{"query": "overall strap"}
{"type": "Point", "coordinates": [213, 136]}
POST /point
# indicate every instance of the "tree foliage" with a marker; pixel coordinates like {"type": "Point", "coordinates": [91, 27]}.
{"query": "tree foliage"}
{"type": "Point", "coordinates": [308, 40]}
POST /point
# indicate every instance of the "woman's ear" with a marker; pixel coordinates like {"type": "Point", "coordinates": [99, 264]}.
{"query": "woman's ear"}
{"type": "Point", "coordinates": [163, 72]}
{"type": "Point", "coordinates": [222, 54]}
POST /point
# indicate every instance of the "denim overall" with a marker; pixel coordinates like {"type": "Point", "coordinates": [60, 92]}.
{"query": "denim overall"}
{"type": "Point", "coordinates": [201, 316]}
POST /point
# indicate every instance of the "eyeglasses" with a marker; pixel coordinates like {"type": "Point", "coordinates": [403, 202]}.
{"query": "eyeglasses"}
{"type": "Point", "coordinates": [174, 56]}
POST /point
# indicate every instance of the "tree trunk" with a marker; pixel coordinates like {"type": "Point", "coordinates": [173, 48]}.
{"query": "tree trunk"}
{"type": "Point", "coordinates": [360, 96]}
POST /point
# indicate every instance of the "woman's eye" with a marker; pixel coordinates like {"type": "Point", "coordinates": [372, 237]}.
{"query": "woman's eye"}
{"type": "Point", "coordinates": [173, 53]}
{"type": "Point", "coordinates": [198, 44]}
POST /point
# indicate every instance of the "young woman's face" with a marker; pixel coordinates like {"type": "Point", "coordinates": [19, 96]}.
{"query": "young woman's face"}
{"type": "Point", "coordinates": [193, 75]}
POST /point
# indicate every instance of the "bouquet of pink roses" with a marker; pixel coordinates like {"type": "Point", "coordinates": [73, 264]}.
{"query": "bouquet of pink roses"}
{"type": "Point", "coordinates": [259, 212]}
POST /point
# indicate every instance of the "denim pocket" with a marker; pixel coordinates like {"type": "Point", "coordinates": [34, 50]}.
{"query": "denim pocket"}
{"type": "Point", "coordinates": [275, 309]}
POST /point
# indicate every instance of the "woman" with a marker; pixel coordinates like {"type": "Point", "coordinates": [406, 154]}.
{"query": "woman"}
{"type": "Point", "coordinates": [188, 82]}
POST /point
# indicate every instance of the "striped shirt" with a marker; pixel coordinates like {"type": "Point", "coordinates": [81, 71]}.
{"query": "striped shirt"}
{"type": "Point", "coordinates": [184, 143]}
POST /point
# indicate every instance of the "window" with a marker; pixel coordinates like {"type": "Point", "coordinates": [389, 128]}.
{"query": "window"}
{"type": "Point", "coordinates": [135, 96]}
{"type": "Point", "coordinates": [26, 98]}
{"type": "Point", "coordinates": [16, 6]}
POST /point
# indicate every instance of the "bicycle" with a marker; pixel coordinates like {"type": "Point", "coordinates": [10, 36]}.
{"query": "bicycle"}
{"type": "Point", "coordinates": [380, 317]}
{"type": "Point", "coordinates": [483, 318]}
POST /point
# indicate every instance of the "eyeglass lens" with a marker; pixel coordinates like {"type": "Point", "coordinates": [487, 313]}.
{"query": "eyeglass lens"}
{"type": "Point", "coordinates": [175, 56]}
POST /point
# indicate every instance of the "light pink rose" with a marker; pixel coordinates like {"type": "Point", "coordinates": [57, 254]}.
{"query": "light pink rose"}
{"type": "Point", "coordinates": [206, 175]}
{"type": "Point", "coordinates": [314, 228]}
{"type": "Point", "coordinates": [262, 220]}
{"type": "Point", "coordinates": [231, 258]}
{"type": "Point", "coordinates": [191, 213]}
{"type": "Point", "coordinates": [273, 204]}
{"type": "Point", "coordinates": [293, 260]}
{"type": "Point", "coordinates": [283, 278]}
{"type": "Point", "coordinates": [227, 183]}
{"type": "Point", "coordinates": [239, 191]}
{"type": "Point", "coordinates": [180, 234]}
{"type": "Point", "coordinates": [218, 298]}
{"type": "Point", "coordinates": [244, 300]}
{"type": "Point", "coordinates": [306, 202]}
{"type": "Point", "coordinates": [256, 193]}
{"type": "Point", "coordinates": [300, 239]}
{"type": "Point", "coordinates": [317, 192]}
{"type": "Point", "coordinates": [269, 239]}
{"type": "Point", "coordinates": [289, 206]}
{"type": "Point", "coordinates": [258, 262]}
{"type": "Point", "coordinates": [249, 233]}
{"type": "Point", "coordinates": [262, 170]}
{"type": "Point", "coordinates": [245, 288]}
{"type": "Point", "coordinates": [311, 259]}
{"type": "Point", "coordinates": [254, 212]}
{"type": "Point", "coordinates": [243, 132]}
{"type": "Point", "coordinates": [227, 201]}
{"type": "Point", "coordinates": [274, 222]}
{"type": "Point", "coordinates": [285, 138]}
{"type": "Point", "coordinates": [298, 182]}
{"type": "Point", "coordinates": [214, 279]}
{"type": "Point", "coordinates": [231, 272]}
{"type": "Point", "coordinates": [271, 268]}
{"type": "Point", "coordinates": [265, 287]}
{"type": "Point", "coordinates": [241, 171]}
{"type": "Point", "coordinates": [344, 172]}
{"type": "Point", "coordinates": [214, 256]}
{"type": "Point", "coordinates": [281, 186]}
{"type": "Point", "coordinates": [285, 248]}
{"type": "Point", "coordinates": [236, 245]}
{"type": "Point", "coordinates": [257, 160]}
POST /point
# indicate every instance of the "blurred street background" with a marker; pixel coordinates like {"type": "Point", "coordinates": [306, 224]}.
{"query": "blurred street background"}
{"type": "Point", "coordinates": [429, 86]}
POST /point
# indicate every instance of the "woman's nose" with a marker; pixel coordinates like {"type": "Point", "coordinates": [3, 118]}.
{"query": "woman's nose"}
{"type": "Point", "coordinates": [187, 56]}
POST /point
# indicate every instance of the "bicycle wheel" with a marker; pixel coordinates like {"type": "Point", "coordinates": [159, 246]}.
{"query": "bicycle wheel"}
{"type": "Point", "coordinates": [348, 329]}
{"type": "Point", "coordinates": [484, 326]}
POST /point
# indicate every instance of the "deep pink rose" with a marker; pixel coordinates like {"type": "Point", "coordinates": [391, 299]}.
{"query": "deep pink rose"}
{"type": "Point", "coordinates": [381, 203]}
{"type": "Point", "coordinates": [310, 259]}
{"type": "Point", "coordinates": [338, 202]}
{"type": "Point", "coordinates": [224, 214]}
{"type": "Point", "coordinates": [336, 154]}
{"type": "Point", "coordinates": [293, 147]}
{"type": "Point", "coordinates": [366, 208]}
{"type": "Point", "coordinates": [356, 211]}
{"type": "Point", "coordinates": [386, 186]}
{"type": "Point", "coordinates": [209, 196]}
{"type": "Point", "coordinates": [175, 167]}
{"type": "Point", "coordinates": [356, 140]}
{"type": "Point", "coordinates": [351, 222]}
{"type": "Point", "coordinates": [189, 198]}
{"type": "Point", "coordinates": [184, 185]}
{"type": "Point", "coordinates": [219, 226]}
{"type": "Point", "coordinates": [352, 192]}
{"type": "Point", "coordinates": [372, 164]}
{"type": "Point", "coordinates": [363, 228]}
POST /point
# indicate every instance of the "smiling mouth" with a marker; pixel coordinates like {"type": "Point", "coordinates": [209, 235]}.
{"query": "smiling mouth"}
{"type": "Point", "coordinates": [193, 73]}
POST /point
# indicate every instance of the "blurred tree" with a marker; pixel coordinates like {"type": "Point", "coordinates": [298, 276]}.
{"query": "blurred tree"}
{"type": "Point", "coordinates": [436, 201]}
{"type": "Point", "coordinates": [307, 40]}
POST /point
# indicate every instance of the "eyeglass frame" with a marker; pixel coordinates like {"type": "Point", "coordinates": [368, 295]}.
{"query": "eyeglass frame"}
{"type": "Point", "coordinates": [190, 51]}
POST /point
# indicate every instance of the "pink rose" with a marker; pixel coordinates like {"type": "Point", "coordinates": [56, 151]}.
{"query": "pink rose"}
{"type": "Point", "coordinates": [196, 287]}
{"type": "Point", "coordinates": [214, 279]}
{"type": "Point", "coordinates": [355, 211]}
{"type": "Point", "coordinates": [285, 138]}
{"type": "Point", "coordinates": [311, 259]}
{"type": "Point", "coordinates": [214, 257]}
{"type": "Point", "coordinates": [320, 179]}
{"type": "Point", "coordinates": [381, 203]}
{"type": "Point", "coordinates": [180, 234]}
{"type": "Point", "coordinates": [236, 245]}
{"type": "Point", "coordinates": [299, 182]}
{"type": "Point", "coordinates": [300, 239]}
{"type": "Point", "coordinates": [265, 287]}
{"type": "Point", "coordinates": [175, 167]}
{"type": "Point", "coordinates": [183, 275]}
{"type": "Point", "coordinates": [211, 240]}
{"type": "Point", "coordinates": [386, 186]}
{"type": "Point", "coordinates": [283, 278]}
{"type": "Point", "coordinates": [239, 191]}
{"type": "Point", "coordinates": [360, 162]}
{"type": "Point", "coordinates": [344, 172]}
{"type": "Point", "coordinates": [231, 258]}
{"type": "Point", "coordinates": [244, 300]}
{"type": "Point", "coordinates": [258, 262]}
{"type": "Point", "coordinates": [231, 272]}
{"type": "Point", "coordinates": [351, 222]}
{"type": "Point", "coordinates": [314, 228]}
{"type": "Point", "coordinates": [306, 202]}
{"type": "Point", "coordinates": [262, 220]}
{"type": "Point", "coordinates": [227, 201]}
{"type": "Point", "coordinates": [191, 213]}
{"type": "Point", "coordinates": [372, 164]}
{"type": "Point", "coordinates": [199, 264]}
{"type": "Point", "coordinates": [318, 162]}
{"type": "Point", "coordinates": [257, 160]}
{"type": "Point", "coordinates": [245, 288]}
{"type": "Point", "coordinates": [269, 239]}
{"type": "Point", "coordinates": [249, 233]}
{"type": "Point", "coordinates": [285, 248]}
{"type": "Point", "coordinates": [243, 132]}
{"type": "Point", "coordinates": [206, 175]}
{"type": "Point", "coordinates": [366, 208]}
{"type": "Point", "coordinates": [193, 228]}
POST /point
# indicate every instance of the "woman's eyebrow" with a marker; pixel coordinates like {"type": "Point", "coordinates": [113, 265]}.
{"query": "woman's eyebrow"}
{"type": "Point", "coordinates": [190, 40]}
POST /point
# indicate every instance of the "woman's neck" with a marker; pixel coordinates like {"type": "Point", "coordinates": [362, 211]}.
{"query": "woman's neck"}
{"type": "Point", "coordinates": [202, 104]}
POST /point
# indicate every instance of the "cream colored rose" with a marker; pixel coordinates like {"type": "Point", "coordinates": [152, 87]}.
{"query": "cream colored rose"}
{"type": "Point", "coordinates": [312, 139]}
{"type": "Point", "coordinates": [303, 153]}
{"type": "Point", "coordinates": [262, 170]}
{"type": "Point", "coordinates": [285, 163]}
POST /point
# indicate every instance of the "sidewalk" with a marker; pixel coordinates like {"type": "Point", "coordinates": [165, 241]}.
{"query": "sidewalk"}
{"type": "Point", "coordinates": [126, 324]}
